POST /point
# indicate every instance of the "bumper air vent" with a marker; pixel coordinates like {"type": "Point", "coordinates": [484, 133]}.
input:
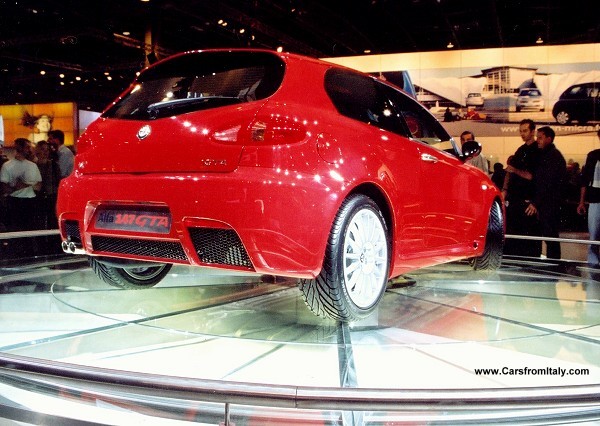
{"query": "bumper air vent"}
{"type": "Point", "coordinates": [72, 232]}
{"type": "Point", "coordinates": [166, 250]}
{"type": "Point", "coordinates": [220, 246]}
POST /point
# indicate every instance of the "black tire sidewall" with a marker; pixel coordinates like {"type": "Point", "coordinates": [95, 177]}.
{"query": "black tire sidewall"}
{"type": "Point", "coordinates": [494, 241]}
{"type": "Point", "coordinates": [118, 277]}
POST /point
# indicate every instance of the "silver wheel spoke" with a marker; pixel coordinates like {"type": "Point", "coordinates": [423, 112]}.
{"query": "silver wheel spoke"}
{"type": "Point", "coordinates": [352, 267]}
{"type": "Point", "coordinates": [365, 258]}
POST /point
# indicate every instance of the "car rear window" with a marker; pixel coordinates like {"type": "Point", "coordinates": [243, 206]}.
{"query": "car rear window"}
{"type": "Point", "coordinates": [200, 80]}
{"type": "Point", "coordinates": [530, 92]}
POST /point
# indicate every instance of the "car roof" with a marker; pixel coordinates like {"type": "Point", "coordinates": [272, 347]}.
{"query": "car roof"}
{"type": "Point", "coordinates": [287, 58]}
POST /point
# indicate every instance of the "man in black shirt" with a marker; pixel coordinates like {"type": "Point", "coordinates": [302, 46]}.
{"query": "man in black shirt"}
{"type": "Point", "coordinates": [518, 191]}
{"type": "Point", "coordinates": [548, 179]}
{"type": "Point", "coordinates": [590, 192]}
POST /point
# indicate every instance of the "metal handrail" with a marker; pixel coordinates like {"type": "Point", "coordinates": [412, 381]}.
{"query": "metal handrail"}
{"type": "Point", "coordinates": [98, 380]}
{"type": "Point", "coordinates": [560, 240]}
{"type": "Point", "coordinates": [28, 234]}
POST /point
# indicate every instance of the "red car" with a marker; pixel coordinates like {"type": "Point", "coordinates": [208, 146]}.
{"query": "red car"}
{"type": "Point", "coordinates": [252, 160]}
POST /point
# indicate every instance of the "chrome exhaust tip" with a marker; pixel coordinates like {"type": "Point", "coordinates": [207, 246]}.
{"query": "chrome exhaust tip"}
{"type": "Point", "coordinates": [71, 247]}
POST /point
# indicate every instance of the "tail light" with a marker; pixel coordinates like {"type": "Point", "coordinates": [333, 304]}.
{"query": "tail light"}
{"type": "Point", "coordinates": [277, 130]}
{"type": "Point", "coordinates": [273, 129]}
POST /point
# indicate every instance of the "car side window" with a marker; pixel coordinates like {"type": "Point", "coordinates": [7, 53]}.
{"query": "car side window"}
{"type": "Point", "coordinates": [373, 102]}
{"type": "Point", "coordinates": [359, 97]}
{"type": "Point", "coordinates": [418, 123]}
{"type": "Point", "coordinates": [575, 90]}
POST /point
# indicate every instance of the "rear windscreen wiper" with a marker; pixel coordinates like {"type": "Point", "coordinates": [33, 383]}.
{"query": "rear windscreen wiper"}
{"type": "Point", "coordinates": [158, 108]}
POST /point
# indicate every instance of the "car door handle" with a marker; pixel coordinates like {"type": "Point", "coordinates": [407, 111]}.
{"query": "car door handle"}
{"type": "Point", "coordinates": [429, 158]}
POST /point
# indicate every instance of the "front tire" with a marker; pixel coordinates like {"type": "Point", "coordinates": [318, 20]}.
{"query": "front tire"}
{"type": "Point", "coordinates": [491, 258]}
{"type": "Point", "coordinates": [130, 278]}
{"type": "Point", "coordinates": [356, 265]}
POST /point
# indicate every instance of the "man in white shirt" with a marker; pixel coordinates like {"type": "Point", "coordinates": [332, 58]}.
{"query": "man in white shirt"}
{"type": "Point", "coordinates": [20, 178]}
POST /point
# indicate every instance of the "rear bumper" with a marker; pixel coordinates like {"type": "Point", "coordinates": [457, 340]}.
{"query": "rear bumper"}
{"type": "Point", "coordinates": [253, 219]}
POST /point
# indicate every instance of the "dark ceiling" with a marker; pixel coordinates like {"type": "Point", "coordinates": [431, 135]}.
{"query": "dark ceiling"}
{"type": "Point", "coordinates": [97, 46]}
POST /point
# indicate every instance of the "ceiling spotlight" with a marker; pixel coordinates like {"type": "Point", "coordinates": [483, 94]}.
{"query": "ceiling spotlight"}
{"type": "Point", "coordinates": [242, 31]}
{"type": "Point", "coordinates": [450, 45]}
{"type": "Point", "coordinates": [42, 72]}
{"type": "Point", "coordinates": [280, 49]}
{"type": "Point", "coordinates": [539, 40]}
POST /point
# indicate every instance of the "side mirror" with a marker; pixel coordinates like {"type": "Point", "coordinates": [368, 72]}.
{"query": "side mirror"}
{"type": "Point", "coordinates": [470, 149]}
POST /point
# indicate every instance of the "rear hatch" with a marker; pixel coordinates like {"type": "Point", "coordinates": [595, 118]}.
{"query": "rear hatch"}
{"type": "Point", "coordinates": [191, 112]}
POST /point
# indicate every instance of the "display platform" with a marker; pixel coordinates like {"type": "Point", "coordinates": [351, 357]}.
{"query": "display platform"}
{"type": "Point", "coordinates": [532, 323]}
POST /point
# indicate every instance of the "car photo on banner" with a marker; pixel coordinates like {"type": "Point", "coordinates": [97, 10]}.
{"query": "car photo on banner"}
{"type": "Point", "coordinates": [279, 164]}
{"type": "Point", "coordinates": [580, 102]}
{"type": "Point", "coordinates": [530, 99]}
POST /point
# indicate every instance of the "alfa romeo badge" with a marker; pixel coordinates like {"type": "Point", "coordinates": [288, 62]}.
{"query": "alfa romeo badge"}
{"type": "Point", "coordinates": [144, 132]}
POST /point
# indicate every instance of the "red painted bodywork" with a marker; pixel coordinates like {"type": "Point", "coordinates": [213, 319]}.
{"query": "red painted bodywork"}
{"type": "Point", "coordinates": [280, 196]}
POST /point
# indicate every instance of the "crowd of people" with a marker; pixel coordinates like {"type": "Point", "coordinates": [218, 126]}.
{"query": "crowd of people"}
{"type": "Point", "coordinates": [539, 187]}
{"type": "Point", "coordinates": [29, 182]}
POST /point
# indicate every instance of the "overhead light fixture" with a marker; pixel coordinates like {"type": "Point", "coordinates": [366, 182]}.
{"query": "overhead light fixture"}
{"type": "Point", "coordinates": [280, 49]}
{"type": "Point", "coordinates": [450, 45]}
{"type": "Point", "coordinates": [539, 40]}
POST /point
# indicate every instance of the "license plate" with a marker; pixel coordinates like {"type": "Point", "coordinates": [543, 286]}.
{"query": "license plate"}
{"type": "Point", "coordinates": [155, 222]}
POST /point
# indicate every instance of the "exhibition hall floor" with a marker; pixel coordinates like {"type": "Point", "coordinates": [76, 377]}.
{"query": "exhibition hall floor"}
{"type": "Point", "coordinates": [537, 323]}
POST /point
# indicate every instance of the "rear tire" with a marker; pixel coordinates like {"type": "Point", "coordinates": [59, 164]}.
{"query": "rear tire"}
{"type": "Point", "coordinates": [491, 258]}
{"type": "Point", "coordinates": [130, 278]}
{"type": "Point", "coordinates": [356, 265]}
{"type": "Point", "coordinates": [563, 117]}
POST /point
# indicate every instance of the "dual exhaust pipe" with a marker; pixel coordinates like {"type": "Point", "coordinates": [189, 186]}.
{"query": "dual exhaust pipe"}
{"type": "Point", "coordinates": [72, 247]}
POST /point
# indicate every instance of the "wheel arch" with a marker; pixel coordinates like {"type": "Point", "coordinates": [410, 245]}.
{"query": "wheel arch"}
{"type": "Point", "coordinates": [378, 195]}
{"type": "Point", "coordinates": [375, 193]}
